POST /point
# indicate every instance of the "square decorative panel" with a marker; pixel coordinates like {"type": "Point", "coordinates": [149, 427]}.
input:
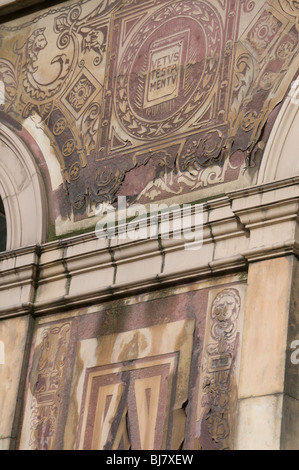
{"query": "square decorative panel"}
{"type": "Point", "coordinates": [81, 93]}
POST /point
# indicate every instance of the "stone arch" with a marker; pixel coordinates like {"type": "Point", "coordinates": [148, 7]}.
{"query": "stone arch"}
{"type": "Point", "coordinates": [22, 192]}
{"type": "Point", "coordinates": [281, 156]}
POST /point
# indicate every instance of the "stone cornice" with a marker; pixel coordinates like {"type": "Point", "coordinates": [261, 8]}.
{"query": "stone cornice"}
{"type": "Point", "coordinates": [18, 280]}
{"type": "Point", "coordinates": [244, 226]}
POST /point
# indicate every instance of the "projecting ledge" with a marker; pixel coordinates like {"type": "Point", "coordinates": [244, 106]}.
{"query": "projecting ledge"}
{"type": "Point", "coordinates": [254, 224]}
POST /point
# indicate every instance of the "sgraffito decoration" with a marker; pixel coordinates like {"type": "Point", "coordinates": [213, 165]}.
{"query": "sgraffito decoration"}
{"type": "Point", "coordinates": [127, 407]}
{"type": "Point", "coordinates": [150, 99]}
{"type": "Point", "coordinates": [158, 373]}
{"type": "Point", "coordinates": [47, 389]}
{"type": "Point", "coordinates": [218, 375]}
{"type": "Point", "coordinates": [131, 398]}
{"type": "Point", "coordinates": [291, 7]}
{"type": "Point", "coordinates": [118, 391]}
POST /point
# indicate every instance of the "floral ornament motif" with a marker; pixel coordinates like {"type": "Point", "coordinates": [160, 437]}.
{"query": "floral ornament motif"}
{"type": "Point", "coordinates": [29, 55]}
{"type": "Point", "coordinates": [164, 164]}
{"type": "Point", "coordinates": [68, 148]}
{"type": "Point", "coordinates": [47, 390]}
{"type": "Point", "coordinates": [264, 31]}
{"type": "Point", "coordinates": [36, 43]}
{"type": "Point", "coordinates": [242, 84]}
{"type": "Point", "coordinates": [225, 311]}
{"type": "Point", "coordinates": [229, 47]}
{"type": "Point", "coordinates": [285, 50]}
{"type": "Point", "coordinates": [108, 182]}
{"type": "Point", "coordinates": [249, 121]}
{"type": "Point", "coordinates": [74, 172]}
{"type": "Point", "coordinates": [290, 6]}
{"type": "Point", "coordinates": [220, 363]}
{"type": "Point", "coordinates": [209, 147]}
{"type": "Point", "coordinates": [70, 26]}
{"type": "Point", "coordinates": [80, 93]}
{"type": "Point", "coordinates": [79, 202]}
{"type": "Point", "coordinates": [248, 5]}
{"type": "Point", "coordinates": [267, 81]}
{"type": "Point", "coordinates": [203, 153]}
{"type": "Point", "coordinates": [90, 126]}
{"type": "Point", "coordinates": [59, 126]}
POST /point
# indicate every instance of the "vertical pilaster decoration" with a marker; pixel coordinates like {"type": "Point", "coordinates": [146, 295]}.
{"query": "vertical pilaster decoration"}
{"type": "Point", "coordinates": [48, 387]}
{"type": "Point", "coordinates": [217, 390]}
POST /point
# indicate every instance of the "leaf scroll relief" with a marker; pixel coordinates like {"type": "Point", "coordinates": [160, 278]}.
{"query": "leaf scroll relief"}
{"type": "Point", "coordinates": [217, 385]}
{"type": "Point", "coordinates": [47, 389]}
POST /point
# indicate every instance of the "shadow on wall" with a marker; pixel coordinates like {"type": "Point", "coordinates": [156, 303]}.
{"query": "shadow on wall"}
{"type": "Point", "coordinates": [3, 232]}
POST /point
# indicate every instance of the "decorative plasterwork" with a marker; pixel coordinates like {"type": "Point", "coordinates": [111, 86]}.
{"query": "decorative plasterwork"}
{"type": "Point", "coordinates": [138, 102]}
{"type": "Point", "coordinates": [46, 400]}
{"type": "Point", "coordinates": [219, 370]}
{"type": "Point", "coordinates": [96, 382]}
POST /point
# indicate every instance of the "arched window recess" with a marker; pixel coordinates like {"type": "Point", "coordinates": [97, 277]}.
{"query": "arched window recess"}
{"type": "Point", "coordinates": [3, 231]}
{"type": "Point", "coordinates": [23, 208]}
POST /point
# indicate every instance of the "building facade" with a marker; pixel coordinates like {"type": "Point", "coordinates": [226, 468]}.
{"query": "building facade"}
{"type": "Point", "coordinates": [149, 184]}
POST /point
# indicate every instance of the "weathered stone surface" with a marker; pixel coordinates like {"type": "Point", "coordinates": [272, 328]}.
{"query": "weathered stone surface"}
{"type": "Point", "coordinates": [128, 374]}
{"type": "Point", "coordinates": [266, 328]}
{"type": "Point", "coordinates": [142, 343]}
{"type": "Point", "coordinates": [258, 423]}
{"type": "Point", "coordinates": [13, 343]}
{"type": "Point", "coordinates": [268, 387]}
